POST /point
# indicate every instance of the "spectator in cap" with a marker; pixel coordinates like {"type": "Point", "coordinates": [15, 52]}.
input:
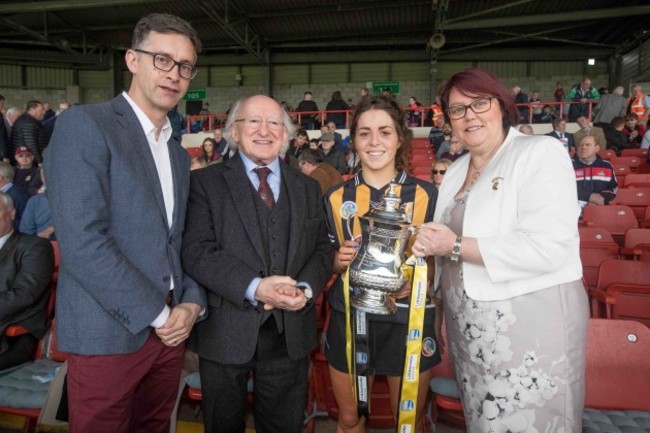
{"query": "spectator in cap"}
{"type": "Point", "coordinates": [333, 157]}
{"type": "Point", "coordinates": [311, 163]}
{"type": "Point", "coordinates": [26, 174]}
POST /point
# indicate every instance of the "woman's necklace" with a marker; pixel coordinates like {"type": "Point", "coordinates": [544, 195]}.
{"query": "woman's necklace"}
{"type": "Point", "coordinates": [476, 171]}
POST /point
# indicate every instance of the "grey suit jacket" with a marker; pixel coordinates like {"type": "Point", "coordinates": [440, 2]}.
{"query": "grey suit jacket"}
{"type": "Point", "coordinates": [223, 250]}
{"type": "Point", "coordinates": [117, 252]}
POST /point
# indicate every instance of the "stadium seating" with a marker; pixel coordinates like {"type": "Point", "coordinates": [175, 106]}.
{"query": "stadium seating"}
{"type": "Point", "coordinates": [636, 180]}
{"type": "Point", "coordinates": [617, 377]}
{"type": "Point", "coordinates": [641, 153]}
{"type": "Point", "coordinates": [596, 245]}
{"type": "Point", "coordinates": [621, 172]}
{"type": "Point", "coordinates": [638, 199]}
{"type": "Point", "coordinates": [606, 154]}
{"type": "Point", "coordinates": [616, 219]}
{"type": "Point", "coordinates": [631, 161]}
{"type": "Point", "coordinates": [619, 272]}
{"type": "Point", "coordinates": [634, 242]}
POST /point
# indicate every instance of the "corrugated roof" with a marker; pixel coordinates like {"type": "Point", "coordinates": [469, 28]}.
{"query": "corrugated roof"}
{"type": "Point", "coordinates": [599, 26]}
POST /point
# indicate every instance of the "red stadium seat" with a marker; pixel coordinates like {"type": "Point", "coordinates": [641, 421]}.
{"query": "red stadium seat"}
{"type": "Point", "coordinates": [194, 151]}
{"type": "Point", "coordinates": [636, 180]}
{"type": "Point", "coordinates": [606, 154]}
{"type": "Point", "coordinates": [641, 153]}
{"type": "Point", "coordinates": [596, 245]}
{"type": "Point", "coordinates": [612, 272]}
{"type": "Point", "coordinates": [632, 161]}
{"type": "Point", "coordinates": [636, 198]}
{"type": "Point", "coordinates": [627, 302]}
{"type": "Point", "coordinates": [634, 242]}
{"type": "Point", "coordinates": [621, 171]}
{"type": "Point", "coordinates": [445, 407]}
{"type": "Point", "coordinates": [618, 365]}
{"type": "Point", "coordinates": [616, 219]}
{"type": "Point", "coordinates": [645, 223]}
{"type": "Point", "coordinates": [47, 349]}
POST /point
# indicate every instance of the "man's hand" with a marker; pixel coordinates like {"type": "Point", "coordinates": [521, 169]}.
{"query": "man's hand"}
{"type": "Point", "coordinates": [596, 198]}
{"type": "Point", "coordinates": [179, 324]}
{"type": "Point", "coordinates": [46, 232]}
{"type": "Point", "coordinates": [280, 292]}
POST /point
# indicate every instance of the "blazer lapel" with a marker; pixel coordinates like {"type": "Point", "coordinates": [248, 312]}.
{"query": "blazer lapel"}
{"type": "Point", "coordinates": [133, 132]}
{"type": "Point", "coordinates": [239, 187]}
{"type": "Point", "coordinates": [297, 204]}
{"type": "Point", "coordinates": [8, 246]}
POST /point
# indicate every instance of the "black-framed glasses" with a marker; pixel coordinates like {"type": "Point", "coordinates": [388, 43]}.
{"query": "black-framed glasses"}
{"type": "Point", "coordinates": [255, 123]}
{"type": "Point", "coordinates": [434, 172]}
{"type": "Point", "coordinates": [480, 105]}
{"type": "Point", "coordinates": [166, 63]}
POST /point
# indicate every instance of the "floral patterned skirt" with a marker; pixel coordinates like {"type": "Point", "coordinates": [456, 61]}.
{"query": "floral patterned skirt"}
{"type": "Point", "coordinates": [519, 362]}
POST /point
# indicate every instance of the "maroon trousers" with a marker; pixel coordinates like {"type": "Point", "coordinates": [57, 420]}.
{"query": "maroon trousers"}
{"type": "Point", "coordinates": [126, 393]}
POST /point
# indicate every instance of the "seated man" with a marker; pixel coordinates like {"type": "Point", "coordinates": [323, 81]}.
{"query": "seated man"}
{"type": "Point", "coordinates": [595, 177]}
{"type": "Point", "coordinates": [17, 194]}
{"type": "Point", "coordinates": [559, 132]}
{"type": "Point", "coordinates": [311, 163]}
{"type": "Point", "coordinates": [330, 156]}
{"type": "Point", "coordinates": [26, 265]}
{"type": "Point", "coordinates": [587, 129]}
{"type": "Point", "coordinates": [37, 218]}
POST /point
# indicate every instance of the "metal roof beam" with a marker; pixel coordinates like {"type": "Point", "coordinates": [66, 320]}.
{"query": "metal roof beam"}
{"type": "Point", "coordinates": [338, 8]}
{"type": "Point", "coordinates": [555, 17]}
{"type": "Point", "coordinates": [240, 31]}
{"type": "Point", "coordinates": [546, 38]}
{"type": "Point", "coordinates": [487, 11]}
{"type": "Point", "coordinates": [514, 38]}
{"type": "Point", "coordinates": [37, 36]}
{"type": "Point", "coordinates": [61, 5]}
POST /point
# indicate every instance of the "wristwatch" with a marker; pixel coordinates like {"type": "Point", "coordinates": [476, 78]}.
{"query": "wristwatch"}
{"type": "Point", "coordinates": [455, 252]}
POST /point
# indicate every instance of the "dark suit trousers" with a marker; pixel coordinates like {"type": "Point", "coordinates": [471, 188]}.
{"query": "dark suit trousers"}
{"type": "Point", "coordinates": [127, 393]}
{"type": "Point", "coordinates": [280, 388]}
{"type": "Point", "coordinates": [21, 349]}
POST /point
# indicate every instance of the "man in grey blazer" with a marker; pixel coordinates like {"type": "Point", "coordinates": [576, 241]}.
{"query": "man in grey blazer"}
{"type": "Point", "coordinates": [118, 183]}
{"type": "Point", "coordinates": [255, 238]}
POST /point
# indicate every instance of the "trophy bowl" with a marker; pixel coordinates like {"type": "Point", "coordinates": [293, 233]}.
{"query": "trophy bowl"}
{"type": "Point", "coordinates": [376, 271]}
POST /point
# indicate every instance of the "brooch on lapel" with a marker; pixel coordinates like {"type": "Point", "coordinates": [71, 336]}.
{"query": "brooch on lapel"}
{"type": "Point", "coordinates": [495, 183]}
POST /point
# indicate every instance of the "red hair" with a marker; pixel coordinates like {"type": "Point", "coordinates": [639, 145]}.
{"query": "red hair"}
{"type": "Point", "coordinates": [478, 82]}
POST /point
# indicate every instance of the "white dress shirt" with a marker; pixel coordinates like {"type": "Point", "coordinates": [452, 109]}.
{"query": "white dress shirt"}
{"type": "Point", "coordinates": [160, 153]}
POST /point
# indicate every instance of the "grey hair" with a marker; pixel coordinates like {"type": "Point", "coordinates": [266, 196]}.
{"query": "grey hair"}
{"type": "Point", "coordinates": [618, 90]}
{"type": "Point", "coordinates": [6, 201]}
{"type": "Point", "coordinates": [234, 112]}
{"type": "Point", "coordinates": [7, 171]}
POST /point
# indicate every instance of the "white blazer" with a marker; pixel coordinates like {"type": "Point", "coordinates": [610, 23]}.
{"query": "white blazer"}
{"type": "Point", "coordinates": [523, 210]}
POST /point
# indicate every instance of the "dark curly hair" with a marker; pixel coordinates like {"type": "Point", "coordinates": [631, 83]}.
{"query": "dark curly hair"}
{"type": "Point", "coordinates": [392, 108]}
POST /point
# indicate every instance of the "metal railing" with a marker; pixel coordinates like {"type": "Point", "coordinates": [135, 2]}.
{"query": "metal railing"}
{"type": "Point", "coordinates": [208, 122]}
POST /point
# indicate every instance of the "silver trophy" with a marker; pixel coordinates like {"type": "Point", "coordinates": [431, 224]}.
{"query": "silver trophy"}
{"type": "Point", "coordinates": [375, 273]}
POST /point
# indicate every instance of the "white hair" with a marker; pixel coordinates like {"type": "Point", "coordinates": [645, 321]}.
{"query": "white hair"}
{"type": "Point", "coordinates": [232, 117]}
{"type": "Point", "coordinates": [6, 201]}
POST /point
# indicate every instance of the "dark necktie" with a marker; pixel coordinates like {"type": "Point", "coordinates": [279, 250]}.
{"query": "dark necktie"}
{"type": "Point", "coordinates": [264, 189]}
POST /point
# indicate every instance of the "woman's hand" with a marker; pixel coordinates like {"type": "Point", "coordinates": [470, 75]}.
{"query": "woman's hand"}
{"type": "Point", "coordinates": [344, 255]}
{"type": "Point", "coordinates": [434, 239]}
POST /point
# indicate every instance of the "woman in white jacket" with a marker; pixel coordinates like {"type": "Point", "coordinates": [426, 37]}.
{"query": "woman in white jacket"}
{"type": "Point", "coordinates": [506, 237]}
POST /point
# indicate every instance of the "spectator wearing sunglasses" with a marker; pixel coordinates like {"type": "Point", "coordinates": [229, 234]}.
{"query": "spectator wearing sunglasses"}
{"type": "Point", "coordinates": [438, 171]}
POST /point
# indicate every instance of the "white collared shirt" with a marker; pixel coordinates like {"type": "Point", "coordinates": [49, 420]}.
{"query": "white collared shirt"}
{"type": "Point", "coordinates": [160, 153]}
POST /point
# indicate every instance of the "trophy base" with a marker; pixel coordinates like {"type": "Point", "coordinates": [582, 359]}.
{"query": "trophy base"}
{"type": "Point", "coordinates": [374, 302]}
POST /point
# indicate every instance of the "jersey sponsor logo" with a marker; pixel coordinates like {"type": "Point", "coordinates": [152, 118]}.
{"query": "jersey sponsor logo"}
{"type": "Point", "coordinates": [428, 347]}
